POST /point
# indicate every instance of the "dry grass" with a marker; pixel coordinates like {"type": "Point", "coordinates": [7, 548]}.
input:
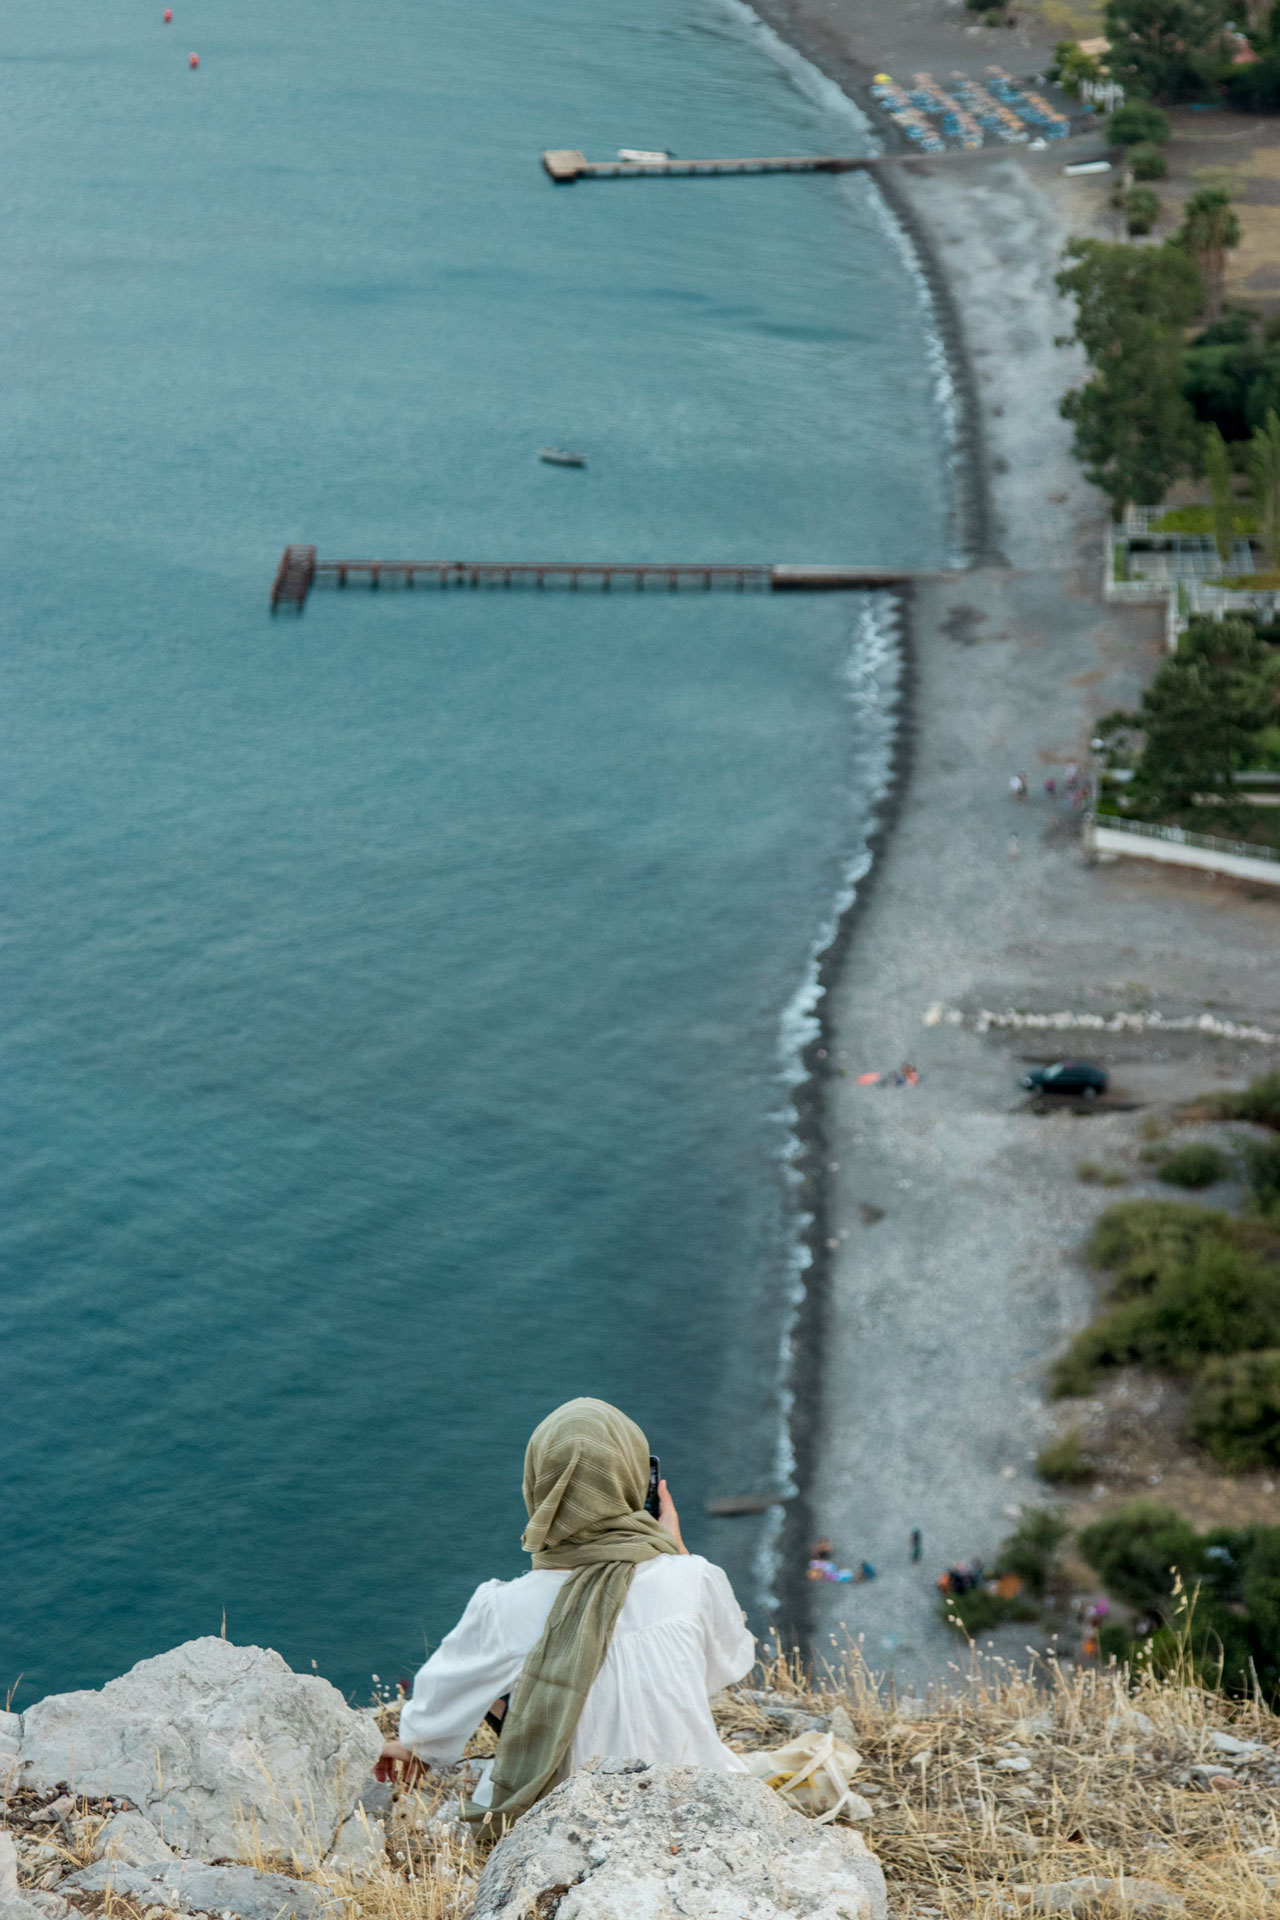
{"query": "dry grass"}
{"type": "Point", "coordinates": [1102, 1795]}
{"type": "Point", "coordinates": [1104, 1792]}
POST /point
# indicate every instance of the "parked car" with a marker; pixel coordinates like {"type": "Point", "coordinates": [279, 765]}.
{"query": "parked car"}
{"type": "Point", "coordinates": [1068, 1076]}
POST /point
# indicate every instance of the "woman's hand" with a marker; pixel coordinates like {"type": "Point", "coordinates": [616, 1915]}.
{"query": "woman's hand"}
{"type": "Point", "coordinates": [668, 1517]}
{"type": "Point", "coordinates": [396, 1761]}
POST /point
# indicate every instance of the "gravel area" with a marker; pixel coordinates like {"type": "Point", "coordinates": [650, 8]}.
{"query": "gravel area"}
{"type": "Point", "coordinates": [853, 39]}
{"type": "Point", "coordinates": [953, 1213]}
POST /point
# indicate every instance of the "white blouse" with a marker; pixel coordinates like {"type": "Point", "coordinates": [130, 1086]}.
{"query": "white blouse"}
{"type": "Point", "coordinates": [679, 1638]}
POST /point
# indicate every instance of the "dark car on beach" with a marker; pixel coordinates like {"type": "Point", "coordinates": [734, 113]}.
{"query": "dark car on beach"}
{"type": "Point", "coordinates": [1068, 1076]}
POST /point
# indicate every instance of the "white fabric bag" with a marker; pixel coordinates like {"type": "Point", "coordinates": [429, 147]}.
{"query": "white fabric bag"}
{"type": "Point", "coordinates": [812, 1773]}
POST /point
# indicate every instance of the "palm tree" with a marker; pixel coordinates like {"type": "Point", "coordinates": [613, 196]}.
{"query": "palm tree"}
{"type": "Point", "coordinates": [1209, 229]}
{"type": "Point", "coordinates": [1217, 464]}
{"type": "Point", "coordinates": [1264, 459]}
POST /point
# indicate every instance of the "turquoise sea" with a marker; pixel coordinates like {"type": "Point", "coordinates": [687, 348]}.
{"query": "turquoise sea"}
{"type": "Point", "coordinates": [398, 1006]}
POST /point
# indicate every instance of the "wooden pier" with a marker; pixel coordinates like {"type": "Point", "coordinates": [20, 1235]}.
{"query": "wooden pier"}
{"type": "Point", "coordinates": [295, 577]}
{"type": "Point", "coordinates": [564, 165]}
{"type": "Point", "coordinates": [299, 571]}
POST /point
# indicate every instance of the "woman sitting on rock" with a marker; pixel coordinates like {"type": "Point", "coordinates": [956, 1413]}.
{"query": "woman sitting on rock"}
{"type": "Point", "coordinates": [609, 1648]}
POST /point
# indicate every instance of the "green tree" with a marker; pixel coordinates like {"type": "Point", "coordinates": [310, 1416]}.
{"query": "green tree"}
{"type": "Point", "coordinates": [1256, 88]}
{"type": "Point", "coordinates": [1147, 162]}
{"type": "Point", "coordinates": [1031, 1551]}
{"type": "Point", "coordinates": [1115, 287]}
{"type": "Point", "coordinates": [1235, 1409]}
{"type": "Point", "coordinates": [1134, 428]}
{"type": "Point", "coordinates": [1198, 718]}
{"type": "Point", "coordinates": [1217, 466]}
{"type": "Point", "coordinates": [1071, 65]}
{"type": "Point", "coordinates": [1137, 122]}
{"type": "Point", "coordinates": [1165, 48]}
{"type": "Point", "coordinates": [1137, 1550]}
{"type": "Point", "coordinates": [1209, 230]}
{"type": "Point", "coordinates": [1141, 209]}
{"type": "Point", "coordinates": [1264, 470]}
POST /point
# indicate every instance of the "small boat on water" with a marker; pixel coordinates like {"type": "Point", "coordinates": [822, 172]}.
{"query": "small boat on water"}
{"type": "Point", "coordinates": [561, 457]}
{"type": "Point", "coordinates": [643, 155]}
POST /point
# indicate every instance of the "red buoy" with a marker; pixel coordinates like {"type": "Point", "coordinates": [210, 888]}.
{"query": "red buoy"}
{"type": "Point", "coordinates": [168, 16]}
{"type": "Point", "coordinates": [193, 59]}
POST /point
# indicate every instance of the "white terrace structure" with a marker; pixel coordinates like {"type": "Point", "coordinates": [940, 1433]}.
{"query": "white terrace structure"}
{"type": "Point", "coordinates": [1143, 564]}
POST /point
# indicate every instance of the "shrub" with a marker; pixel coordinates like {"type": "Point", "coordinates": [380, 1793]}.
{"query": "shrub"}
{"type": "Point", "coordinates": [1262, 1169]}
{"type": "Point", "coordinates": [1223, 1301]}
{"type": "Point", "coordinates": [1260, 1102]}
{"type": "Point", "coordinates": [980, 1611]}
{"type": "Point", "coordinates": [1235, 1412]}
{"type": "Point", "coordinates": [1137, 123]}
{"type": "Point", "coordinates": [1148, 163]}
{"type": "Point", "coordinates": [1141, 210]}
{"type": "Point", "coordinates": [1233, 1578]}
{"type": "Point", "coordinates": [1139, 1242]}
{"type": "Point", "coordinates": [1095, 1175]}
{"type": "Point", "coordinates": [1031, 1551]}
{"type": "Point", "coordinates": [1071, 65]}
{"type": "Point", "coordinates": [1198, 1164]}
{"type": "Point", "coordinates": [1136, 1550]}
{"type": "Point", "coordinates": [1064, 1462]}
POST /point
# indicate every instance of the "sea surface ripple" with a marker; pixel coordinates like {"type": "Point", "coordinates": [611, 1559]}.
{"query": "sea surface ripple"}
{"type": "Point", "coordinates": [391, 1002]}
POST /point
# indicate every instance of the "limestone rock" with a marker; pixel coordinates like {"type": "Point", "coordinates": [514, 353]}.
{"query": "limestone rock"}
{"type": "Point", "coordinates": [55, 1813]}
{"type": "Point", "coordinates": [621, 1840]}
{"type": "Point", "coordinates": [131, 1840]}
{"type": "Point", "coordinates": [8, 1867]}
{"type": "Point", "coordinates": [192, 1888]}
{"type": "Point", "coordinates": [360, 1848]}
{"type": "Point", "coordinates": [18, 1907]}
{"type": "Point", "coordinates": [214, 1743]}
{"type": "Point", "coordinates": [377, 1797]}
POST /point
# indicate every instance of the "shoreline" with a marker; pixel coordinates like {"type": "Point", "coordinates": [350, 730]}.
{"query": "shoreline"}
{"type": "Point", "coordinates": [805, 1375]}
{"type": "Point", "coordinates": [945, 1219]}
{"type": "Point", "coordinates": [972, 543]}
{"type": "Point", "coordinates": [972, 535]}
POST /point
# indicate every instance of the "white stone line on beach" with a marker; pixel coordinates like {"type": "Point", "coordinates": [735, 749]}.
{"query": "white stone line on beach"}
{"type": "Point", "coordinates": [938, 1015]}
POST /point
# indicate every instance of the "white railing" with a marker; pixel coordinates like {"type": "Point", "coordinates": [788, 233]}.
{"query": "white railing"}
{"type": "Point", "coordinates": [1182, 837]}
{"type": "Point", "coordinates": [1111, 838]}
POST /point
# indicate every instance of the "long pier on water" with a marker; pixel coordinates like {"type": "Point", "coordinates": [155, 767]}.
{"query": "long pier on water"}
{"type": "Point", "coordinates": [300, 571]}
{"type": "Point", "coordinates": [564, 165]}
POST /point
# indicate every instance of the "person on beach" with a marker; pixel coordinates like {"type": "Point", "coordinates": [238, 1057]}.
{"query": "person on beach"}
{"type": "Point", "coordinates": [609, 1648]}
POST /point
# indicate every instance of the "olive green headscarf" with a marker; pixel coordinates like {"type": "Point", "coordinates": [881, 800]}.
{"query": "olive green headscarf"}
{"type": "Point", "coordinates": [586, 1473]}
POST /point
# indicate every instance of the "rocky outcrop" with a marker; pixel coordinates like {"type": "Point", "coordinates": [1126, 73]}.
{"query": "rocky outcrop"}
{"type": "Point", "coordinates": [222, 1748]}
{"type": "Point", "coordinates": [624, 1841]}
{"type": "Point", "coordinates": [185, 1886]}
{"type": "Point", "coordinates": [131, 1840]}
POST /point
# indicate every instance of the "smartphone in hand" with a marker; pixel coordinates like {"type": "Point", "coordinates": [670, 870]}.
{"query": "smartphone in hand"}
{"type": "Point", "coordinates": [652, 1499]}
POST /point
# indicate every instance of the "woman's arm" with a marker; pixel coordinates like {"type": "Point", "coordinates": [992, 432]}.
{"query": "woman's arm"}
{"type": "Point", "coordinates": [730, 1646]}
{"type": "Point", "coordinates": [468, 1671]}
{"type": "Point", "coordinates": [668, 1517]}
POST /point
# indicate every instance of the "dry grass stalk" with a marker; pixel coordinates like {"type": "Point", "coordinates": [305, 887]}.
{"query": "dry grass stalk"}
{"type": "Point", "coordinates": [1108, 1789]}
